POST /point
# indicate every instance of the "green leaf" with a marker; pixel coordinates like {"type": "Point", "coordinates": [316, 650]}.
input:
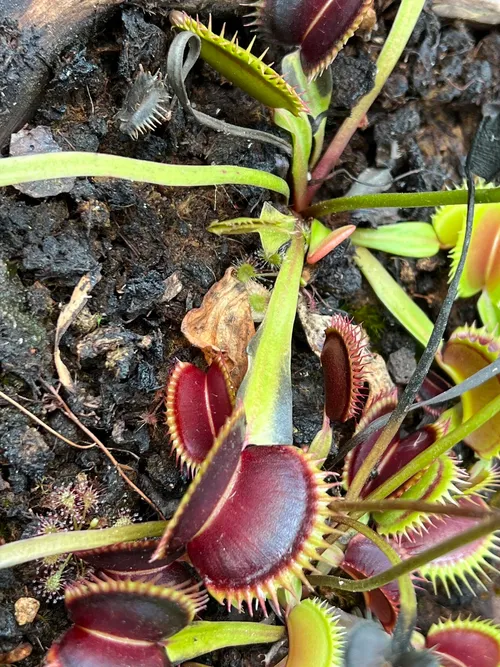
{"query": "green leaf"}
{"type": "Point", "coordinates": [300, 129]}
{"type": "Point", "coordinates": [240, 66]}
{"type": "Point", "coordinates": [316, 94]}
{"type": "Point", "coordinates": [488, 312]}
{"type": "Point", "coordinates": [401, 200]}
{"type": "Point", "coordinates": [205, 636]}
{"type": "Point", "coordinates": [266, 390]}
{"type": "Point", "coordinates": [321, 445]}
{"type": "Point", "coordinates": [407, 239]}
{"type": "Point", "coordinates": [393, 296]}
{"type": "Point", "coordinates": [42, 166]}
{"type": "Point", "coordinates": [23, 551]}
{"type": "Point", "coordinates": [274, 228]}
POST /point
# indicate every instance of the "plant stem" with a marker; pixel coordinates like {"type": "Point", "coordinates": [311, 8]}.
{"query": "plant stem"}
{"type": "Point", "coordinates": [300, 129]}
{"type": "Point", "coordinates": [393, 504]}
{"type": "Point", "coordinates": [401, 200]}
{"type": "Point", "coordinates": [41, 167]}
{"type": "Point", "coordinates": [411, 564]}
{"type": "Point", "coordinates": [408, 598]}
{"type": "Point", "coordinates": [206, 636]}
{"type": "Point", "coordinates": [397, 417]}
{"type": "Point", "coordinates": [266, 390]}
{"type": "Point", "coordinates": [401, 31]}
{"type": "Point", "coordinates": [441, 446]}
{"type": "Point", "coordinates": [23, 551]}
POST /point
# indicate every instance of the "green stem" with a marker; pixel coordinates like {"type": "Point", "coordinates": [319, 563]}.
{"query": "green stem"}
{"type": "Point", "coordinates": [300, 129]}
{"type": "Point", "coordinates": [23, 551]}
{"type": "Point", "coordinates": [401, 200]}
{"type": "Point", "coordinates": [41, 167]}
{"type": "Point", "coordinates": [409, 565]}
{"type": "Point", "coordinates": [407, 595]}
{"type": "Point", "coordinates": [205, 636]}
{"type": "Point", "coordinates": [267, 389]}
{"type": "Point", "coordinates": [397, 504]}
{"type": "Point", "coordinates": [402, 28]}
{"type": "Point", "coordinates": [441, 446]}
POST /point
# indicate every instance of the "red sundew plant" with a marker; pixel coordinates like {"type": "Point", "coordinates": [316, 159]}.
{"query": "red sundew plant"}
{"type": "Point", "coordinates": [259, 515]}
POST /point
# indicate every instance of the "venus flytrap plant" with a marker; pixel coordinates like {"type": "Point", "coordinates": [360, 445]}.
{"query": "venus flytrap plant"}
{"type": "Point", "coordinates": [256, 514]}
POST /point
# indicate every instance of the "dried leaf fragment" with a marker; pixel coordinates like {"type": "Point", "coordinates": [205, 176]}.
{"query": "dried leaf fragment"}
{"type": "Point", "coordinates": [19, 653]}
{"type": "Point", "coordinates": [223, 323]}
{"type": "Point", "coordinates": [67, 316]}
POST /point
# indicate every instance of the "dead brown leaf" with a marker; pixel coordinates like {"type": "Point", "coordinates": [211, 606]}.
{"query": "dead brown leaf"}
{"type": "Point", "coordinates": [67, 316]}
{"type": "Point", "coordinates": [223, 323]}
{"type": "Point", "coordinates": [17, 654]}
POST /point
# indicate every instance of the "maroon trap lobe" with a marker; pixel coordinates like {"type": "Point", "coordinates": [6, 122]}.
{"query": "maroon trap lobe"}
{"type": "Point", "coordinates": [343, 359]}
{"type": "Point", "coordinates": [207, 488]}
{"type": "Point", "coordinates": [398, 454]}
{"type": "Point", "coordinates": [267, 529]}
{"type": "Point", "coordinates": [125, 557]}
{"type": "Point", "coordinates": [137, 611]}
{"type": "Point", "coordinates": [81, 648]}
{"type": "Point", "coordinates": [132, 560]}
{"type": "Point", "coordinates": [364, 559]}
{"type": "Point", "coordinates": [198, 404]}
{"type": "Point", "coordinates": [319, 27]}
{"type": "Point", "coordinates": [380, 406]}
{"type": "Point", "coordinates": [465, 643]}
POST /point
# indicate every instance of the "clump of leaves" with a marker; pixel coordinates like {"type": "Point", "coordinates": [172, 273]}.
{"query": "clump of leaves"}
{"type": "Point", "coordinates": [259, 513]}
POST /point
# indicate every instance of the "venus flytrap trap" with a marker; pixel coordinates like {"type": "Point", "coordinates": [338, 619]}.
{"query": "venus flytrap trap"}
{"type": "Point", "coordinates": [258, 514]}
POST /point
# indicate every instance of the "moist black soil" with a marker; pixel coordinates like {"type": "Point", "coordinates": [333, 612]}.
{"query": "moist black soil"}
{"type": "Point", "coordinates": [123, 345]}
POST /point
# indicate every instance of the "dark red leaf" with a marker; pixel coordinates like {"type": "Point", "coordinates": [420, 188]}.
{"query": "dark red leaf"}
{"type": "Point", "coordinates": [132, 560]}
{"type": "Point", "coordinates": [364, 559]}
{"type": "Point", "coordinates": [207, 488]}
{"type": "Point", "coordinates": [198, 404]}
{"type": "Point", "coordinates": [129, 609]}
{"type": "Point", "coordinates": [343, 359]}
{"type": "Point", "coordinates": [80, 648]}
{"type": "Point", "coordinates": [268, 528]}
{"type": "Point", "coordinates": [320, 27]}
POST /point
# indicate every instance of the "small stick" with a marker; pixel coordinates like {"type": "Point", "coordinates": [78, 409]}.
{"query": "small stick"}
{"type": "Point", "coordinates": [29, 414]}
{"type": "Point", "coordinates": [67, 411]}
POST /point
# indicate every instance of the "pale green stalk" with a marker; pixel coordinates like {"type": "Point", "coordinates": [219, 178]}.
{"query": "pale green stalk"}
{"type": "Point", "coordinates": [393, 296]}
{"type": "Point", "coordinates": [434, 451]}
{"type": "Point", "coordinates": [411, 564]}
{"type": "Point", "coordinates": [22, 551]}
{"type": "Point", "coordinates": [205, 636]}
{"type": "Point", "coordinates": [407, 595]}
{"type": "Point", "coordinates": [44, 166]}
{"type": "Point", "coordinates": [401, 200]}
{"type": "Point", "coordinates": [267, 389]}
